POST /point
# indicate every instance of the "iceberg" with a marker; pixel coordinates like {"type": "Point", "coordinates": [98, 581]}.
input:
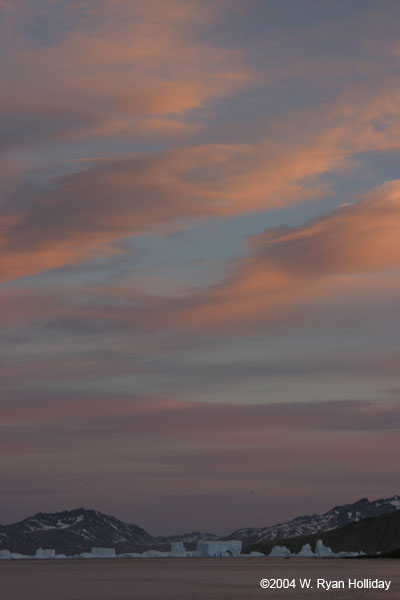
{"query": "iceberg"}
{"type": "Point", "coordinates": [279, 552]}
{"type": "Point", "coordinates": [103, 552]}
{"type": "Point", "coordinates": [178, 549]}
{"type": "Point", "coordinates": [5, 554]}
{"type": "Point", "coordinates": [155, 554]}
{"type": "Point", "coordinates": [323, 551]}
{"type": "Point", "coordinates": [306, 551]}
{"type": "Point", "coordinates": [45, 553]}
{"type": "Point", "coordinates": [212, 549]}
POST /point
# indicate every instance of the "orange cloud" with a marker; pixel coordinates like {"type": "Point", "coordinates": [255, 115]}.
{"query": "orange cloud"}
{"type": "Point", "coordinates": [137, 70]}
{"type": "Point", "coordinates": [286, 269]}
{"type": "Point", "coordinates": [118, 61]}
{"type": "Point", "coordinates": [289, 266]}
{"type": "Point", "coordinates": [354, 239]}
{"type": "Point", "coordinates": [84, 213]}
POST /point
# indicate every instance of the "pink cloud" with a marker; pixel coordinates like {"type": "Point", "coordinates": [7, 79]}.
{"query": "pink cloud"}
{"type": "Point", "coordinates": [287, 269]}
{"type": "Point", "coordinates": [137, 72]}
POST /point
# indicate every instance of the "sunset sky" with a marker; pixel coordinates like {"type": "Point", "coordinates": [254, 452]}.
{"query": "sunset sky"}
{"type": "Point", "coordinates": [200, 258]}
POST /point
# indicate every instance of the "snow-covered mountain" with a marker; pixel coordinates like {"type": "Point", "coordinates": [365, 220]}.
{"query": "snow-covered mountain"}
{"type": "Point", "coordinates": [370, 535]}
{"type": "Point", "coordinates": [73, 531]}
{"type": "Point", "coordinates": [338, 516]}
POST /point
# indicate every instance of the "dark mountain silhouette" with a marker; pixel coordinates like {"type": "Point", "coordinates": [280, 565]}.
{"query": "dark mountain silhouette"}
{"type": "Point", "coordinates": [72, 532]}
{"type": "Point", "coordinates": [338, 516]}
{"type": "Point", "coordinates": [341, 528]}
{"type": "Point", "coordinates": [370, 535]}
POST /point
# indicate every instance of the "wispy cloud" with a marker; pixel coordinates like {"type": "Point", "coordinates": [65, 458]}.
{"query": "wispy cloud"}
{"type": "Point", "coordinates": [123, 123]}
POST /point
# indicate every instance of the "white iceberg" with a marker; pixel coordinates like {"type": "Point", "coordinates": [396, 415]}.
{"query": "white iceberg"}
{"type": "Point", "coordinates": [279, 552]}
{"type": "Point", "coordinates": [226, 548]}
{"type": "Point", "coordinates": [103, 552]}
{"type": "Point", "coordinates": [178, 549]}
{"type": "Point", "coordinates": [306, 551]}
{"type": "Point", "coordinates": [45, 553]}
{"type": "Point", "coordinates": [5, 554]}
{"type": "Point", "coordinates": [323, 551]}
{"type": "Point", "coordinates": [155, 554]}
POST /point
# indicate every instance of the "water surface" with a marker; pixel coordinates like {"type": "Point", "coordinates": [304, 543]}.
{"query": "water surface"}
{"type": "Point", "coordinates": [190, 579]}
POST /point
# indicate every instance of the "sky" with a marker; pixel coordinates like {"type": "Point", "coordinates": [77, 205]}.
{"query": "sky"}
{"type": "Point", "coordinates": [199, 258]}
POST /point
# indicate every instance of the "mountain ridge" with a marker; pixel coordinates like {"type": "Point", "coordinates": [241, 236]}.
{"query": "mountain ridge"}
{"type": "Point", "coordinates": [338, 516]}
{"type": "Point", "coordinates": [76, 531]}
{"type": "Point", "coordinates": [370, 535]}
{"type": "Point", "coordinates": [71, 532]}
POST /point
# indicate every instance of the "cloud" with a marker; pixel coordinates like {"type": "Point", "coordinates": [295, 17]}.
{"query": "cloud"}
{"type": "Point", "coordinates": [108, 68]}
{"type": "Point", "coordinates": [78, 215]}
{"type": "Point", "coordinates": [357, 238]}
{"type": "Point", "coordinates": [289, 266]}
{"type": "Point", "coordinates": [150, 74]}
{"type": "Point", "coordinates": [124, 118]}
{"type": "Point", "coordinates": [286, 268]}
{"type": "Point", "coordinates": [155, 416]}
{"type": "Point", "coordinates": [82, 214]}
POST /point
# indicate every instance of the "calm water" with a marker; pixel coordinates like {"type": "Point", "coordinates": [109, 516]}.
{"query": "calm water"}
{"type": "Point", "coordinates": [190, 579]}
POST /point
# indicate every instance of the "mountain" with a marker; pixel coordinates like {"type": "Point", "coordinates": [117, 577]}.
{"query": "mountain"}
{"type": "Point", "coordinates": [370, 535]}
{"type": "Point", "coordinates": [76, 531]}
{"type": "Point", "coordinates": [338, 516]}
{"type": "Point", "coordinates": [71, 532]}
